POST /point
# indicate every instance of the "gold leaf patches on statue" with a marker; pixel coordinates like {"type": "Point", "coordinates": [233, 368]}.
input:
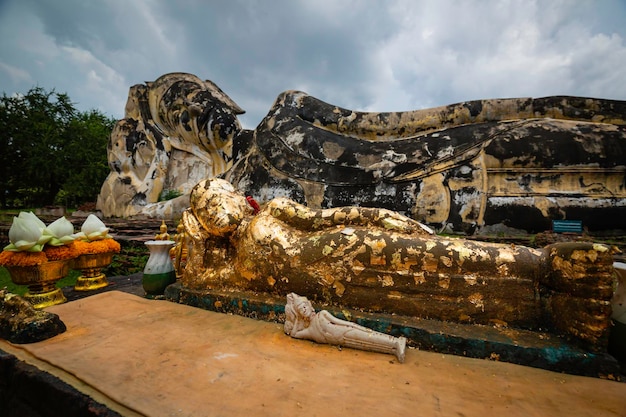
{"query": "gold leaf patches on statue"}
{"type": "Point", "coordinates": [477, 300]}
{"type": "Point", "coordinates": [377, 257]}
{"type": "Point", "coordinates": [339, 288]}
{"type": "Point", "coordinates": [419, 278]}
{"type": "Point", "coordinates": [429, 263]}
{"type": "Point", "coordinates": [444, 281]}
{"type": "Point", "coordinates": [446, 261]}
{"type": "Point", "coordinates": [387, 281]}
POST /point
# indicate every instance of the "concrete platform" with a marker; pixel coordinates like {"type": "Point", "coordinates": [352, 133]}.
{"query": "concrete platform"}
{"type": "Point", "coordinates": [523, 347]}
{"type": "Point", "coordinates": [158, 358]}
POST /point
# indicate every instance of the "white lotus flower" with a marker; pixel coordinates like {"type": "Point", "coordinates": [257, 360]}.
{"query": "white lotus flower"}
{"type": "Point", "coordinates": [61, 231]}
{"type": "Point", "coordinates": [93, 229]}
{"type": "Point", "coordinates": [27, 233]}
{"type": "Point", "coordinates": [32, 217]}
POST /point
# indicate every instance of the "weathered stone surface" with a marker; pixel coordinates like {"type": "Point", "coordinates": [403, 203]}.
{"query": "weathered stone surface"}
{"type": "Point", "coordinates": [21, 323]}
{"type": "Point", "coordinates": [177, 130]}
{"type": "Point", "coordinates": [472, 166]}
{"type": "Point", "coordinates": [459, 168]}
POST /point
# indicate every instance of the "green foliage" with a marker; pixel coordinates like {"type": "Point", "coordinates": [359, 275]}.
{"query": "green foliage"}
{"type": "Point", "coordinates": [86, 166]}
{"type": "Point", "coordinates": [169, 195]}
{"type": "Point", "coordinates": [130, 260]}
{"type": "Point", "coordinates": [49, 152]}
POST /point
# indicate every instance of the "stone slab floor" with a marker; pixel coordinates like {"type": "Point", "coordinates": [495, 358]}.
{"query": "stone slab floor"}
{"type": "Point", "coordinates": [158, 358]}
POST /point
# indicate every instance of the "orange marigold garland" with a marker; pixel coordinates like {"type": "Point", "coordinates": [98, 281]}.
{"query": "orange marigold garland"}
{"type": "Point", "coordinates": [55, 253]}
{"type": "Point", "coordinates": [61, 253]}
{"type": "Point", "coordinates": [97, 246]}
{"type": "Point", "coordinates": [10, 258]}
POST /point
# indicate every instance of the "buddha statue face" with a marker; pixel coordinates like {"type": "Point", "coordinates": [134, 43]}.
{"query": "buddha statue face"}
{"type": "Point", "coordinates": [298, 313]}
{"type": "Point", "coordinates": [301, 306]}
{"type": "Point", "coordinates": [218, 206]}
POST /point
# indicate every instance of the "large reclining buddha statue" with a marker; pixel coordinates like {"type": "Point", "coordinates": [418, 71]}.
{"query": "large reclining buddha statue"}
{"type": "Point", "coordinates": [512, 163]}
{"type": "Point", "coordinates": [379, 261]}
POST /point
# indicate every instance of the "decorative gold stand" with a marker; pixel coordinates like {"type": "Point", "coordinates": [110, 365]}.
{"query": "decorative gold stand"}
{"type": "Point", "coordinates": [41, 281]}
{"type": "Point", "coordinates": [91, 266]}
{"type": "Point", "coordinates": [45, 299]}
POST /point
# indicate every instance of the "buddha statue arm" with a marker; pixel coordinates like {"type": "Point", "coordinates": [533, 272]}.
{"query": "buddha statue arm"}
{"type": "Point", "coordinates": [308, 219]}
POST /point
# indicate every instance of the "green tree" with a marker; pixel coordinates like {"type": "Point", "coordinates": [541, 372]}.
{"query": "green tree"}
{"type": "Point", "coordinates": [85, 158]}
{"type": "Point", "coordinates": [50, 152]}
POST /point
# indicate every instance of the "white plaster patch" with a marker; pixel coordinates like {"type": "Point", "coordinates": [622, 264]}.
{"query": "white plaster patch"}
{"type": "Point", "coordinates": [445, 152]}
{"type": "Point", "coordinates": [505, 256]}
{"type": "Point", "coordinates": [465, 170]}
{"type": "Point", "coordinates": [385, 189]}
{"type": "Point", "coordinates": [220, 355]}
{"type": "Point", "coordinates": [294, 138]}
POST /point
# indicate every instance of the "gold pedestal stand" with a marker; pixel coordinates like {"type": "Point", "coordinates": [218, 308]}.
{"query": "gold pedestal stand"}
{"type": "Point", "coordinates": [91, 266]}
{"type": "Point", "coordinates": [41, 281]}
{"type": "Point", "coordinates": [45, 299]}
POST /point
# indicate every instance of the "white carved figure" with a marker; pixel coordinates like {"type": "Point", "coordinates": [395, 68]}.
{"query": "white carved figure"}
{"type": "Point", "coordinates": [302, 322]}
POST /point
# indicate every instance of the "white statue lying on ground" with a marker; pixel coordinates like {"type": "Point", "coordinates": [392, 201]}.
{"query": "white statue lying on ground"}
{"type": "Point", "coordinates": [302, 322]}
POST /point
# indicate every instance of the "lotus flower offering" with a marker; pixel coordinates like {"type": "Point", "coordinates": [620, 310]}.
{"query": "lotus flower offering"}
{"type": "Point", "coordinates": [38, 256]}
{"type": "Point", "coordinates": [96, 248]}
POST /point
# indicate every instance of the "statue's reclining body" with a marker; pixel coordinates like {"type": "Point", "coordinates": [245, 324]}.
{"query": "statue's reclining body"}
{"type": "Point", "coordinates": [380, 261]}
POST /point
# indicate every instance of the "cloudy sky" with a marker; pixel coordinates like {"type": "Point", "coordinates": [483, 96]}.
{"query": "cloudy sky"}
{"type": "Point", "coordinates": [360, 54]}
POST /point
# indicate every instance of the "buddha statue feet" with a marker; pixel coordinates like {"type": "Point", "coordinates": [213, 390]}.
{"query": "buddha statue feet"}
{"type": "Point", "coordinates": [578, 290]}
